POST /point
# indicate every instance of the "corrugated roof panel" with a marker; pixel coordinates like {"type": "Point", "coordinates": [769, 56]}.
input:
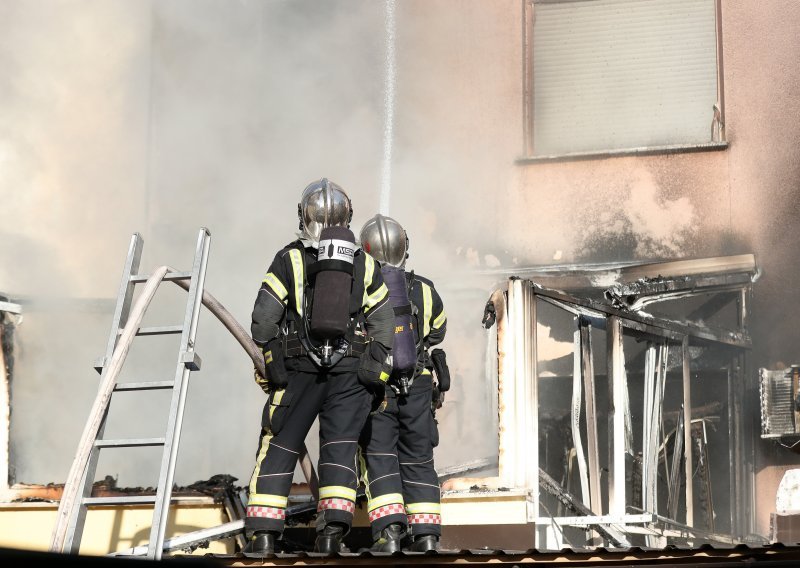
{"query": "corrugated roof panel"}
{"type": "Point", "coordinates": [775, 555]}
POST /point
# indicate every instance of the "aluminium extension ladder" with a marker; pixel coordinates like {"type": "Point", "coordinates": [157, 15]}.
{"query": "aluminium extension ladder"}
{"type": "Point", "coordinates": [77, 491]}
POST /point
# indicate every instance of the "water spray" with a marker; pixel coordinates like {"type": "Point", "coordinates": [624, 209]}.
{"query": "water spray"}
{"type": "Point", "coordinates": [388, 103]}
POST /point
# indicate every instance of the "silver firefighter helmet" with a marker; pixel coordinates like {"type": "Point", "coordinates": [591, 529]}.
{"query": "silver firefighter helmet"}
{"type": "Point", "coordinates": [386, 240]}
{"type": "Point", "coordinates": [323, 204]}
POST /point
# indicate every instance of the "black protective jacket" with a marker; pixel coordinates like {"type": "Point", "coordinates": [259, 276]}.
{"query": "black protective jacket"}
{"type": "Point", "coordinates": [280, 299]}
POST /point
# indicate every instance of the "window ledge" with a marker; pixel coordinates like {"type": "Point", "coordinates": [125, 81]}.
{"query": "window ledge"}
{"type": "Point", "coordinates": [644, 151]}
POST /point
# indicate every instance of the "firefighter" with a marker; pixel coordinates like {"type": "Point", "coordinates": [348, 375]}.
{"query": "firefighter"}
{"type": "Point", "coordinates": [324, 324]}
{"type": "Point", "coordinates": [396, 445]}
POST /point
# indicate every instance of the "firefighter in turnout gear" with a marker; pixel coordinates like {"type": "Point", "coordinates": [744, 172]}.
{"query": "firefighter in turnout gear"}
{"type": "Point", "coordinates": [326, 329]}
{"type": "Point", "coordinates": [396, 446]}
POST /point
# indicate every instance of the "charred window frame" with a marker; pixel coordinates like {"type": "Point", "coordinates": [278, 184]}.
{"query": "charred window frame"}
{"type": "Point", "coordinates": [10, 317]}
{"type": "Point", "coordinates": [555, 113]}
{"type": "Point", "coordinates": [695, 336]}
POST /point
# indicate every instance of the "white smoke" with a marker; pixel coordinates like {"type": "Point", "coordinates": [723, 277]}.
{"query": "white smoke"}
{"type": "Point", "coordinates": [162, 117]}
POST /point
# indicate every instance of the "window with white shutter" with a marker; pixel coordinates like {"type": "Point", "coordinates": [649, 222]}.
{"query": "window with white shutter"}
{"type": "Point", "coordinates": [616, 75]}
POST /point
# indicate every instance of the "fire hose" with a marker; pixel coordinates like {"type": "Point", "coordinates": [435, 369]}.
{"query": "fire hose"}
{"type": "Point", "coordinates": [239, 333]}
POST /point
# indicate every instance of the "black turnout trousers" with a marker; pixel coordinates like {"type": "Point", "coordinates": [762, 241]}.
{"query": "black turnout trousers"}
{"type": "Point", "coordinates": [343, 405]}
{"type": "Point", "coordinates": [402, 487]}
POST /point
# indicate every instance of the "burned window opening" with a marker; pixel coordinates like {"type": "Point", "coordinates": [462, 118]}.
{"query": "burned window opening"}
{"type": "Point", "coordinates": [608, 411]}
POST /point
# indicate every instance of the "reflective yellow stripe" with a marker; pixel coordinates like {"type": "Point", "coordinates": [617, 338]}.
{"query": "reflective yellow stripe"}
{"type": "Point", "coordinates": [384, 377]}
{"type": "Point", "coordinates": [268, 500]}
{"type": "Point", "coordinates": [276, 285]}
{"type": "Point", "coordinates": [375, 297]}
{"type": "Point", "coordinates": [268, 357]}
{"type": "Point", "coordinates": [440, 319]}
{"type": "Point", "coordinates": [331, 491]}
{"type": "Point", "coordinates": [425, 372]}
{"type": "Point", "coordinates": [431, 508]}
{"type": "Point", "coordinates": [364, 473]}
{"type": "Point", "coordinates": [262, 453]}
{"type": "Point", "coordinates": [369, 270]}
{"type": "Point", "coordinates": [297, 268]}
{"type": "Point", "coordinates": [275, 402]}
{"type": "Point", "coordinates": [382, 500]}
{"type": "Point", "coordinates": [371, 300]}
{"type": "Point", "coordinates": [427, 308]}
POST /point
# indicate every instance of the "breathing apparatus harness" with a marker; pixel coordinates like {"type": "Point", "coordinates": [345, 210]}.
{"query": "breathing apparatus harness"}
{"type": "Point", "coordinates": [406, 318]}
{"type": "Point", "coordinates": [330, 318]}
{"type": "Point", "coordinates": [406, 374]}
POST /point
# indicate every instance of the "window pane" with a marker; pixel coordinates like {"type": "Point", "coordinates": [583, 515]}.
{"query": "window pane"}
{"type": "Point", "coordinates": [614, 74]}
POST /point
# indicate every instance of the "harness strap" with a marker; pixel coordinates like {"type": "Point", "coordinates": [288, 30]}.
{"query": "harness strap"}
{"type": "Point", "coordinates": [293, 347]}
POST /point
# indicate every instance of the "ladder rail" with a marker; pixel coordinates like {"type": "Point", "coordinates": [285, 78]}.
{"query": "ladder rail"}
{"type": "Point", "coordinates": [125, 294]}
{"type": "Point", "coordinates": [77, 515]}
{"type": "Point", "coordinates": [175, 420]}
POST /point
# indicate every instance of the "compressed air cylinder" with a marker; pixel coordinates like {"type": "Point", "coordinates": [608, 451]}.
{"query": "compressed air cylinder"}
{"type": "Point", "coordinates": [330, 315]}
{"type": "Point", "coordinates": [404, 351]}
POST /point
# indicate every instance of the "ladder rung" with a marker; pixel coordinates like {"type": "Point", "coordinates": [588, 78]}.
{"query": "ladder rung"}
{"type": "Point", "coordinates": [127, 500]}
{"type": "Point", "coordinates": [149, 385]}
{"type": "Point", "coordinates": [129, 443]}
{"type": "Point", "coordinates": [171, 276]}
{"type": "Point", "coordinates": [160, 330]}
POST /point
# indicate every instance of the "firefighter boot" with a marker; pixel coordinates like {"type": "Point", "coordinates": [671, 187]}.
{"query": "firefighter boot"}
{"type": "Point", "coordinates": [424, 543]}
{"type": "Point", "coordinates": [261, 544]}
{"type": "Point", "coordinates": [329, 540]}
{"type": "Point", "coordinates": [390, 538]}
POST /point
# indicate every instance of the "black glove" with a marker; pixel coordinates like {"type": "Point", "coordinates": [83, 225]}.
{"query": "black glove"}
{"type": "Point", "coordinates": [437, 399]}
{"type": "Point", "coordinates": [374, 366]}
{"type": "Point", "coordinates": [440, 367]}
{"type": "Point", "coordinates": [261, 381]}
{"type": "Point", "coordinates": [276, 369]}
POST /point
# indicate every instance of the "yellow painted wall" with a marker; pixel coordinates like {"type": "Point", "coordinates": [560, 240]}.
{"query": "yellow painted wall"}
{"type": "Point", "coordinates": [488, 510]}
{"type": "Point", "coordinates": [28, 526]}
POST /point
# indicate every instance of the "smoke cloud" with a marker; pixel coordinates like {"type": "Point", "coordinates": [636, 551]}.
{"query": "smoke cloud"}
{"type": "Point", "coordinates": [162, 117]}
